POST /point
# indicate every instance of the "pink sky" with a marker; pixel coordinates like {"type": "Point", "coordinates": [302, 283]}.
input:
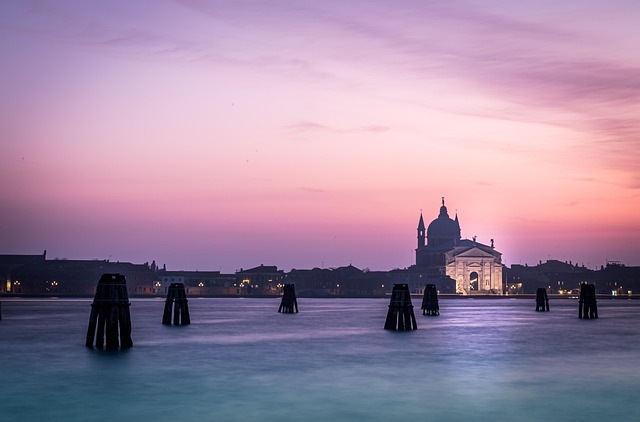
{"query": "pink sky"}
{"type": "Point", "coordinates": [219, 135]}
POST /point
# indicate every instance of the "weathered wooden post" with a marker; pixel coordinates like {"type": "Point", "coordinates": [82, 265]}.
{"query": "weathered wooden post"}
{"type": "Point", "coordinates": [542, 300]}
{"type": "Point", "coordinates": [289, 301]}
{"type": "Point", "coordinates": [587, 307]}
{"type": "Point", "coordinates": [400, 315]}
{"type": "Point", "coordinates": [176, 297]}
{"type": "Point", "coordinates": [110, 307]}
{"type": "Point", "coordinates": [430, 301]}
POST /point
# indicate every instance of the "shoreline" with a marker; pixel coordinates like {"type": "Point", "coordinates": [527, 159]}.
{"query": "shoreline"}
{"type": "Point", "coordinates": [413, 296]}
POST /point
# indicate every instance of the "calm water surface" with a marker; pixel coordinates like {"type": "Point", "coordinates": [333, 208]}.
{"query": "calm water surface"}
{"type": "Point", "coordinates": [240, 360]}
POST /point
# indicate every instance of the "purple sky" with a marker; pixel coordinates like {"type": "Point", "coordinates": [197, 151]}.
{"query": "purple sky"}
{"type": "Point", "coordinates": [220, 135]}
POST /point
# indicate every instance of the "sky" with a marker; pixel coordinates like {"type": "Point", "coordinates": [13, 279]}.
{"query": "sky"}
{"type": "Point", "coordinates": [219, 135]}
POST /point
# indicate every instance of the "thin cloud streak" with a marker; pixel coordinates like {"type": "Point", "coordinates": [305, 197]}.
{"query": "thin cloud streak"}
{"type": "Point", "coordinates": [306, 126]}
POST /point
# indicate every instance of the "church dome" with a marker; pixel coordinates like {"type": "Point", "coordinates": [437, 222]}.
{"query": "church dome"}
{"type": "Point", "coordinates": [443, 228]}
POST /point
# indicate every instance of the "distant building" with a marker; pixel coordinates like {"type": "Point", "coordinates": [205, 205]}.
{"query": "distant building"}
{"type": "Point", "coordinates": [198, 283]}
{"type": "Point", "coordinates": [314, 282]}
{"type": "Point", "coordinates": [347, 281]}
{"type": "Point", "coordinates": [557, 277]}
{"type": "Point", "coordinates": [417, 278]}
{"type": "Point", "coordinates": [476, 268]}
{"type": "Point", "coordinates": [34, 274]}
{"type": "Point", "coordinates": [351, 281]}
{"type": "Point", "coordinates": [617, 279]}
{"type": "Point", "coordinates": [10, 265]}
{"type": "Point", "coordinates": [565, 278]}
{"type": "Point", "coordinates": [262, 280]}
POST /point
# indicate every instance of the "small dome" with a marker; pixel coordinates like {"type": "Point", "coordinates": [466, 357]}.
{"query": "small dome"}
{"type": "Point", "coordinates": [443, 228]}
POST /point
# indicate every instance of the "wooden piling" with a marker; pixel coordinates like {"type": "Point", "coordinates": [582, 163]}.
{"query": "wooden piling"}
{"type": "Point", "coordinates": [110, 309]}
{"type": "Point", "coordinates": [400, 316]}
{"type": "Point", "coordinates": [587, 307]}
{"type": "Point", "coordinates": [289, 301]}
{"type": "Point", "coordinates": [542, 300]}
{"type": "Point", "coordinates": [430, 301]}
{"type": "Point", "coordinates": [176, 298]}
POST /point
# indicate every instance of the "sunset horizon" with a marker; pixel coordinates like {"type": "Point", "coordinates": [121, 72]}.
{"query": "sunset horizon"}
{"type": "Point", "coordinates": [225, 135]}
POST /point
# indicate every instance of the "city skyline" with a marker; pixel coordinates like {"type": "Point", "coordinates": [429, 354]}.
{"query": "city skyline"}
{"type": "Point", "coordinates": [220, 135]}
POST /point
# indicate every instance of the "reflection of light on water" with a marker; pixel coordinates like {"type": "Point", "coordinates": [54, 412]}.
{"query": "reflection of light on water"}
{"type": "Point", "coordinates": [240, 360]}
{"type": "Point", "coordinates": [254, 337]}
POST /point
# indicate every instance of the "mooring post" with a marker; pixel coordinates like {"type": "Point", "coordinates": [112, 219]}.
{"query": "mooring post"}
{"type": "Point", "coordinates": [587, 308]}
{"type": "Point", "coordinates": [176, 298]}
{"type": "Point", "coordinates": [594, 307]}
{"type": "Point", "coordinates": [542, 300]}
{"type": "Point", "coordinates": [430, 301]}
{"type": "Point", "coordinates": [400, 316]}
{"type": "Point", "coordinates": [109, 309]}
{"type": "Point", "coordinates": [289, 301]}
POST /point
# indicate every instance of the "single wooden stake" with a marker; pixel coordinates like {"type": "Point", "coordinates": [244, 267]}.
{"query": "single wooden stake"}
{"type": "Point", "coordinates": [430, 301]}
{"type": "Point", "coordinates": [177, 297]}
{"type": "Point", "coordinates": [289, 301]}
{"type": "Point", "coordinates": [110, 309]}
{"type": "Point", "coordinates": [587, 307]}
{"type": "Point", "coordinates": [542, 300]}
{"type": "Point", "coordinates": [400, 316]}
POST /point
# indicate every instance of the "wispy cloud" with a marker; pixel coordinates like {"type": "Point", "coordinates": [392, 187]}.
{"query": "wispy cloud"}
{"type": "Point", "coordinates": [306, 126]}
{"type": "Point", "coordinates": [527, 62]}
{"type": "Point", "coordinates": [375, 128]}
{"type": "Point", "coordinates": [310, 127]}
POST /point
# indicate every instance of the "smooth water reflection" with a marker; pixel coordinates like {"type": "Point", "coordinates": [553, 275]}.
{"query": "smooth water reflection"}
{"type": "Point", "coordinates": [241, 360]}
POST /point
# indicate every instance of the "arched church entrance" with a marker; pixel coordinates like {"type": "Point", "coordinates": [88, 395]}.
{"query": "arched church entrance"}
{"type": "Point", "coordinates": [473, 281]}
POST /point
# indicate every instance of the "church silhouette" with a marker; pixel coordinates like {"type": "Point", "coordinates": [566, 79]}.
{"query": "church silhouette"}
{"type": "Point", "coordinates": [475, 267]}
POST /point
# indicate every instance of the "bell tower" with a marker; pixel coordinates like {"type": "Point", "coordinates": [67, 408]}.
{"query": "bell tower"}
{"type": "Point", "coordinates": [421, 232]}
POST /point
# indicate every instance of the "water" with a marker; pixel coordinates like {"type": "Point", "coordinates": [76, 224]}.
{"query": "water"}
{"type": "Point", "coordinates": [240, 360]}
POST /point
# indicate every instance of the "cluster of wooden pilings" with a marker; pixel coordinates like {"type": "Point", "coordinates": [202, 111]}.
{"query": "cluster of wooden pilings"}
{"type": "Point", "coordinates": [542, 300]}
{"type": "Point", "coordinates": [289, 301]}
{"type": "Point", "coordinates": [587, 307]}
{"type": "Point", "coordinates": [176, 299]}
{"type": "Point", "coordinates": [400, 316]}
{"type": "Point", "coordinates": [430, 301]}
{"type": "Point", "coordinates": [109, 309]}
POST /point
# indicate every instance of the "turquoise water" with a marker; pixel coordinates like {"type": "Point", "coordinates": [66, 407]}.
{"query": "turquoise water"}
{"type": "Point", "coordinates": [240, 360]}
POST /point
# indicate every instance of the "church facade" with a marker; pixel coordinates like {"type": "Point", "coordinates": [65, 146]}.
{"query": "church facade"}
{"type": "Point", "coordinates": [475, 267]}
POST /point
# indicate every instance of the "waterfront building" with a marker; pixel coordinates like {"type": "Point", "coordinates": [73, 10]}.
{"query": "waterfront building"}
{"type": "Point", "coordinates": [261, 280]}
{"type": "Point", "coordinates": [476, 268]}
{"type": "Point", "coordinates": [34, 274]}
{"type": "Point", "coordinates": [346, 281]}
{"type": "Point", "coordinates": [565, 278]}
{"type": "Point", "coordinates": [618, 279]}
{"type": "Point", "coordinates": [417, 278]}
{"type": "Point", "coordinates": [198, 283]}
{"type": "Point", "coordinates": [10, 266]}
{"type": "Point", "coordinates": [557, 277]}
